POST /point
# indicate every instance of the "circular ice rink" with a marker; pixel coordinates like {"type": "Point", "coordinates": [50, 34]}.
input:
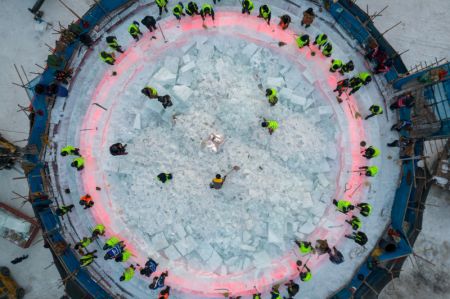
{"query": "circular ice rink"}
{"type": "Point", "coordinates": [241, 236]}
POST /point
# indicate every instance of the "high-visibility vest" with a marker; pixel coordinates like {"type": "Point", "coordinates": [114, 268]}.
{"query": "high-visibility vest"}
{"type": "Point", "coordinates": [302, 40]}
{"type": "Point", "coordinates": [264, 13]}
{"type": "Point", "coordinates": [276, 295]}
{"type": "Point", "coordinates": [133, 29]}
{"type": "Point", "coordinates": [79, 161]}
{"type": "Point", "coordinates": [375, 109]}
{"type": "Point", "coordinates": [217, 181]}
{"type": "Point", "coordinates": [126, 255]}
{"type": "Point", "coordinates": [86, 260]}
{"type": "Point", "coordinates": [107, 57]}
{"type": "Point", "coordinates": [153, 91]}
{"type": "Point", "coordinates": [177, 10]}
{"type": "Point", "coordinates": [113, 44]}
{"type": "Point", "coordinates": [161, 3]}
{"type": "Point", "coordinates": [85, 242]}
{"type": "Point", "coordinates": [327, 49]}
{"type": "Point", "coordinates": [336, 64]}
{"type": "Point", "coordinates": [376, 152]}
{"type": "Point", "coordinates": [366, 209]}
{"type": "Point", "coordinates": [128, 274]}
{"type": "Point", "coordinates": [207, 9]}
{"type": "Point", "coordinates": [272, 125]}
{"type": "Point", "coordinates": [111, 242]}
{"type": "Point", "coordinates": [248, 4]}
{"type": "Point", "coordinates": [306, 276]}
{"type": "Point", "coordinates": [69, 150]}
{"type": "Point", "coordinates": [321, 39]}
{"type": "Point", "coordinates": [100, 228]}
{"type": "Point", "coordinates": [304, 248]}
{"type": "Point", "coordinates": [372, 170]}
{"type": "Point", "coordinates": [356, 223]}
{"type": "Point", "coordinates": [364, 76]}
{"type": "Point", "coordinates": [273, 95]}
{"type": "Point", "coordinates": [343, 205]}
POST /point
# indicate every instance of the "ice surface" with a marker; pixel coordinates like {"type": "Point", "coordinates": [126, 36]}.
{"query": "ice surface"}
{"type": "Point", "coordinates": [165, 76]}
{"type": "Point", "coordinates": [182, 92]}
{"type": "Point", "coordinates": [172, 253]}
{"type": "Point", "coordinates": [189, 66]}
{"type": "Point", "coordinates": [159, 241]}
{"type": "Point", "coordinates": [171, 64]}
{"type": "Point", "coordinates": [185, 246]}
{"type": "Point", "coordinates": [275, 82]}
{"type": "Point", "coordinates": [137, 122]}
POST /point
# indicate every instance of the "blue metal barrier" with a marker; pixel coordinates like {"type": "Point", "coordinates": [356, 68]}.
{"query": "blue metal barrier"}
{"type": "Point", "coordinates": [49, 221]}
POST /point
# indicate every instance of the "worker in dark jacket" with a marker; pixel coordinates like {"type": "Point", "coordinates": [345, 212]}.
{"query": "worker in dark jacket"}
{"type": "Point", "coordinates": [118, 149]}
{"type": "Point", "coordinates": [164, 177]}
{"type": "Point", "coordinates": [359, 237]}
{"type": "Point", "coordinates": [217, 182]}
{"type": "Point", "coordinates": [149, 22]}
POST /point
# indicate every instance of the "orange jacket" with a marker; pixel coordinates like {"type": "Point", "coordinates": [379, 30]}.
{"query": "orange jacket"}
{"type": "Point", "coordinates": [86, 198]}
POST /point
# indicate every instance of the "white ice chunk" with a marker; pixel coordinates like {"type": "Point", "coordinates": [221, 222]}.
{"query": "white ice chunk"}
{"type": "Point", "coordinates": [275, 232]}
{"type": "Point", "coordinates": [137, 122]}
{"type": "Point", "coordinates": [159, 241]}
{"type": "Point", "coordinates": [214, 261]}
{"type": "Point", "coordinates": [247, 248]}
{"type": "Point", "coordinates": [275, 81]}
{"type": "Point", "coordinates": [286, 93]}
{"type": "Point", "coordinates": [182, 92]}
{"type": "Point", "coordinates": [323, 166]}
{"type": "Point", "coordinates": [323, 180]}
{"type": "Point", "coordinates": [179, 230]}
{"type": "Point", "coordinates": [185, 246]}
{"type": "Point", "coordinates": [308, 76]}
{"type": "Point", "coordinates": [171, 63]}
{"type": "Point", "coordinates": [186, 59]}
{"type": "Point", "coordinates": [166, 77]}
{"type": "Point", "coordinates": [249, 50]}
{"type": "Point", "coordinates": [307, 227]}
{"type": "Point", "coordinates": [262, 258]}
{"type": "Point", "coordinates": [172, 253]}
{"type": "Point", "coordinates": [188, 67]}
{"type": "Point", "coordinates": [325, 110]}
{"type": "Point", "coordinates": [187, 47]}
{"type": "Point", "coordinates": [185, 79]}
{"type": "Point", "coordinates": [306, 200]}
{"type": "Point", "coordinates": [205, 250]}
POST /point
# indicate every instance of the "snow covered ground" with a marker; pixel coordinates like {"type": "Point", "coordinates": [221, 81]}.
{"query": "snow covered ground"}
{"type": "Point", "coordinates": [28, 55]}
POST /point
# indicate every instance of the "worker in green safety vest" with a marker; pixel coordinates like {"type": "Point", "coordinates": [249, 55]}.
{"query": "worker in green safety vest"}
{"type": "Point", "coordinates": [304, 272]}
{"type": "Point", "coordinates": [257, 296]}
{"type": "Point", "coordinates": [207, 10]}
{"type": "Point", "coordinates": [128, 273]}
{"type": "Point", "coordinates": [374, 110]}
{"type": "Point", "coordinates": [359, 237]}
{"type": "Point", "coordinates": [304, 247]}
{"type": "Point", "coordinates": [111, 242]}
{"type": "Point", "coordinates": [336, 64]}
{"type": "Point", "coordinates": [192, 9]}
{"type": "Point", "coordinates": [265, 13]}
{"type": "Point", "coordinates": [272, 125]}
{"type": "Point", "coordinates": [99, 230]}
{"type": "Point", "coordinates": [371, 152]}
{"type": "Point", "coordinates": [70, 150]}
{"type": "Point", "coordinates": [355, 222]}
{"type": "Point", "coordinates": [114, 44]}
{"type": "Point", "coordinates": [343, 206]}
{"type": "Point", "coordinates": [321, 39]}
{"type": "Point", "coordinates": [327, 49]}
{"type": "Point", "coordinates": [134, 30]}
{"type": "Point", "coordinates": [162, 4]}
{"type": "Point", "coordinates": [302, 40]}
{"type": "Point", "coordinates": [365, 208]}
{"type": "Point", "coordinates": [151, 92]}
{"type": "Point", "coordinates": [107, 57]}
{"type": "Point", "coordinates": [88, 258]}
{"type": "Point", "coordinates": [78, 163]}
{"type": "Point", "coordinates": [365, 77]}
{"type": "Point", "coordinates": [247, 6]}
{"type": "Point", "coordinates": [355, 84]}
{"type": "Point", "coordinates": [164, 177]}
{"type": "Point", "coordinates": [83, 243]}
{"type": "Point", "coordinates": [123, 256]}
{"type": "Point", "coordinates": [347, 67]}
{"type": "Point", "coordinates": [271, 94]}
{"type": "Point", "coordinates": [178, 11]}
{"type": "Point", "coordinates": [368, 170]}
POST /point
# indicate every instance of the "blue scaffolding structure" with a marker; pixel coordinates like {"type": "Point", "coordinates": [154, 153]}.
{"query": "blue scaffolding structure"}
{"type": "Point", "coordinates": [405, 214]}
